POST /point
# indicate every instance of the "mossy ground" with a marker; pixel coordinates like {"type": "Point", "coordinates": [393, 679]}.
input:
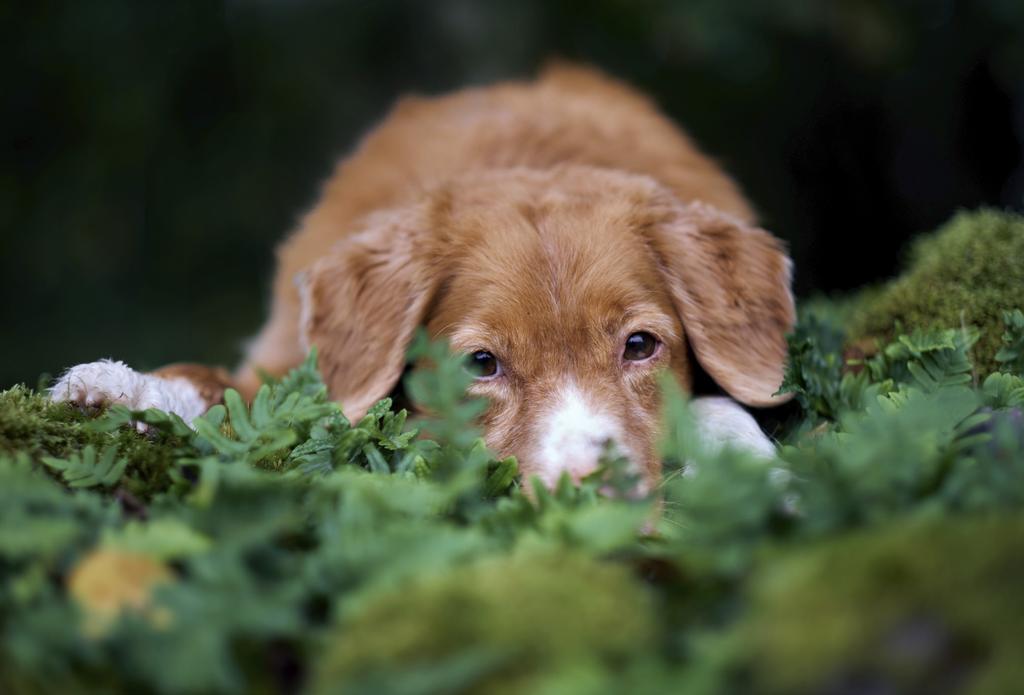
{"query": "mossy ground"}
{"type": "Point", "coordinates": [969, 272]}
{"type": "Point", "coordinates": [32, 425]}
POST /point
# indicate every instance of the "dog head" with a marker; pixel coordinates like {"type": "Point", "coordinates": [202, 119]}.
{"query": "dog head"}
{"type": "Point", "coordinates": [570, 290]}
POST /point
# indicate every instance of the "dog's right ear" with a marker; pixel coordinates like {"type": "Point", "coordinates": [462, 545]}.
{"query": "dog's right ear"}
{"type": "Point", "coordinates": [361, 305]}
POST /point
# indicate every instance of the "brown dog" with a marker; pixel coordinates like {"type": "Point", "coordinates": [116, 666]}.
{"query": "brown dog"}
{"type": "Point", "coordinates": [562, 233]}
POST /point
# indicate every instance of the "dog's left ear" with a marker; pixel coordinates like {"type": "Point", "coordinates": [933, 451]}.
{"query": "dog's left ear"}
{"type": "Point", "coordinates": [730, 283]}
{"type": "Point", "coordinates": [361, 305]}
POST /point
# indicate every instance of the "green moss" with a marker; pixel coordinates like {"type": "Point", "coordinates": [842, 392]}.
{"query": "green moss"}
{"type": "Point", "coordinates": [919, 608]}
{"type": "Point", "coordinates": [968, 272]}
{"type": "Point", "coordinates": [31, 424]}
{"type": "Point", "coordinates": [501, 625]}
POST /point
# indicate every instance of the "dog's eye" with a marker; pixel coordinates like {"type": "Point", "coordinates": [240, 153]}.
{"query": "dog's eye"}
{"type": "Point", "coordinates": [483, 364]}
{"type": "Point", "coordinates": [639, 346]}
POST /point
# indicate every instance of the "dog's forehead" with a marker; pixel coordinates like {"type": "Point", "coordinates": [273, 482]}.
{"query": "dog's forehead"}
{"type": "Point", "coordinates": [564, 242]}
{"type": "Point", "coordinates": [553, 272]}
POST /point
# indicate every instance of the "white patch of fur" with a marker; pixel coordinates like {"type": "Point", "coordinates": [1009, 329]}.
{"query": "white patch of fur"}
{"type": "Point", "coordinates": [722, 422]}
{"type": "Point", "coordinates": [573, 436]}
{"type": "Point", "coordinates": [107, 382]}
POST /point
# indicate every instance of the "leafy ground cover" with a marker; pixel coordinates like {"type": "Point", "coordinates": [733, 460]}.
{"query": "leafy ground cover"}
{"type": "Point", "coordinates": [278, 547]}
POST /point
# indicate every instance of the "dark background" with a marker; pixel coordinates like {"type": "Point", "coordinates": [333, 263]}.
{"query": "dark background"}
{"type": "Point", "coordinates": [154, 152]}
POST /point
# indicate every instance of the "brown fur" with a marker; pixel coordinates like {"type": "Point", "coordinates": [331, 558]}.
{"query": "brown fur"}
{"type": "Point", "coordinates": [543, 221]}
{"type": "Point", "coordinates": [209, 381]}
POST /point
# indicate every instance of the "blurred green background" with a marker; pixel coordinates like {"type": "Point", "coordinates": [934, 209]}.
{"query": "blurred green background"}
{"type": "Point", "coordinates": [154, 152]}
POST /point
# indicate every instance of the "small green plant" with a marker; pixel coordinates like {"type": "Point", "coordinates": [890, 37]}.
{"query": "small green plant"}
{"type": "Point", "coordinates": [86, 470]}
{"type": "Point", "coordinates": [1011, 354]}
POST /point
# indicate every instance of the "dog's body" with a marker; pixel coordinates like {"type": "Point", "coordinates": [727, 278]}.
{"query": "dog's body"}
{"type": "Point", "coordinates": [562, 232]}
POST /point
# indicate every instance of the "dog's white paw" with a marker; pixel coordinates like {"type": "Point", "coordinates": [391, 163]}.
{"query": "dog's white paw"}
{"type": "Point", "coordinates": [107, 382]}
{"type": "Point", "coordinates": [723, 422]}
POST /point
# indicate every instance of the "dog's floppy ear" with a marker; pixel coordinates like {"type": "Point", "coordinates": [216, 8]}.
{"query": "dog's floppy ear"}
{"type": "Point", "coordinates": [361, 305]}
{"type": "Point", "coordinates": [730, 282]}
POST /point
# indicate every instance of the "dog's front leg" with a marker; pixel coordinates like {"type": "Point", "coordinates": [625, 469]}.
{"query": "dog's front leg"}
{"type": "Point", "coordinates": [187, 390]}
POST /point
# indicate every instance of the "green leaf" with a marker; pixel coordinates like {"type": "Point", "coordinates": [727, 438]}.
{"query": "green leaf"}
{"type": "Point", "coordinates": [1011, 354]}
{"type": "Point", "coordinates": [86, 469]}
{"type": "Point", "coordinates": [1003, 390]}
{"type": "Point", "coordinates": [165, 539]}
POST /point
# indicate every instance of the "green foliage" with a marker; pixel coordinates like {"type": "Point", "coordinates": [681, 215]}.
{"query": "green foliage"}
{"type": "Point", "coordinates": [280, 547]}
{"type": "Point", "coordinates": [39, 520]}
{"type": "Point", "coordinates": [86, 470]}
{"type": "Point", "coordinates": [815, 371]}
{"type": "Point", "coordinates": [931, 360]}
{"type": "Point", "coordinates": [1011, 355]}
{"type": "Point", "coordinates": [510, 624]}
{"type": "Point", "coordinates": [889, 460]}
{"type": "Point", "coordinates": [968, 273]}
{"type": "Point", "coordinates": [912, 608]}
{"type": "Point", "coordinates": [1003, 390]}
